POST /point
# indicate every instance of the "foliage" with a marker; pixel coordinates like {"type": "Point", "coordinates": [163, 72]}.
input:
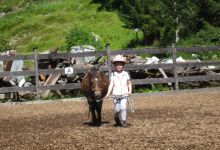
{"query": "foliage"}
{"type": "Point", "coordinates": [179, 16]}
{"type": "Point", "coordinates": [165, 21]}
{"type": "Point", "coordinates": [4, 44]}
{"type": "Point", "coordinates": [139, 14]}
{"type": "Point", "coordinates": [209, 35]}
{"type": "Point", "coordinates": [80, 36]}
{"type": "Point", "coordinates": [44, 24]}
{"type": "Point", "coordinates": [210, 11]}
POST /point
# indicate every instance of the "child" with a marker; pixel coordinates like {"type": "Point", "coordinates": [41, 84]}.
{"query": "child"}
{"type": "Point", "coordinates": [121, 88]}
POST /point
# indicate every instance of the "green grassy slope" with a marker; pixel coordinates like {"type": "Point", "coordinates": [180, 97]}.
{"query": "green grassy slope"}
{"type": "Point", "coordinates": [45, 23]}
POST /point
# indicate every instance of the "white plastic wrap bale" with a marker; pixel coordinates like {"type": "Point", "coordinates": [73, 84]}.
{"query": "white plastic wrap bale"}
{"type": "Point", "coordinates": [81, 49]}
{"type": "Point", "coordinates": [195, 55]}
{"type": "Point", "coordinates": [138, 60]}
{"type": "Point", "coordinates": [180, 59]}
{"type": "Point", "coordinates": [152, 60]}
{"type": "Point", "coordinates": [170, 61]}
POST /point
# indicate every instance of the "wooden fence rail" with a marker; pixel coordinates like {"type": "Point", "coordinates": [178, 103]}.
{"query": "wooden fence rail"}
{"type": "Point", "coordinates": [101, 53]}
{"type": "Point", "coordinates": [173, 66]}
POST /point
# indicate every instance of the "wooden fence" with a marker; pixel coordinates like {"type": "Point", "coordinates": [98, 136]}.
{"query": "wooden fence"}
{"type": "Point", "coordinates": [172, 50]}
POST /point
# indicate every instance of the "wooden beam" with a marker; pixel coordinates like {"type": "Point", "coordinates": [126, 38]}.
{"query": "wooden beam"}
{"type": "Point", "coordinates": [198, 49]}
{"type": "Point", "coordinates": [41, 88]}
{"type": "Point", "coordinates": [209, 77]}
{"type": "Point", "coordinates": [114, 52]}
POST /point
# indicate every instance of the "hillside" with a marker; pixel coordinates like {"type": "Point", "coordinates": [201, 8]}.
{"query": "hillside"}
{"type": "Point", "coordinates": [44, 24]}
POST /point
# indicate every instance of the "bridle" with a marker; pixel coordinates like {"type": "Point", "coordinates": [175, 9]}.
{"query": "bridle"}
{"type": "Point", "coordinates": [96, 88]}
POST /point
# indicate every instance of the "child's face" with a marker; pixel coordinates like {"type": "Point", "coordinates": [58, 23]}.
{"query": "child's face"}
{"type": "Point", "coordinates": [119, 66]}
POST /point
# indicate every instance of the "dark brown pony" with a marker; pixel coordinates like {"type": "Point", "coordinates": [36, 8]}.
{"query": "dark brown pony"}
{"type": "Point", "coordinates": [95, 86]}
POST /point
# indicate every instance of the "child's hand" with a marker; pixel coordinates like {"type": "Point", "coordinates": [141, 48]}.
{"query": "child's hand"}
{"type": "Point", "coordinates": [129, 93]}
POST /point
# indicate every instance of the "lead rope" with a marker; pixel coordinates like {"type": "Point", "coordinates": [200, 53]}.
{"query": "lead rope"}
{"type": "Point", "coordinates": [131, 104]}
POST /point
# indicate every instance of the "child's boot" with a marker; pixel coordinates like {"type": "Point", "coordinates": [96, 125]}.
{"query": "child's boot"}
{"type": "Point", "coordinates": [124, 124]}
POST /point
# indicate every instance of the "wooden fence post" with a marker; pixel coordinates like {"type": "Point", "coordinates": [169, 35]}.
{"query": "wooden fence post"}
{"type": "Point", "coordinates": [175, 67]}
{"type": "Point", "coordinates": [36, 73]}
{"type": "Point", "coordinates": [108, 60]}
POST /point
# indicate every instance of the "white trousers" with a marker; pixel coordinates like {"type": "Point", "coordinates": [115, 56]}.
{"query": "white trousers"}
{"type": "Point", "coordinates": [120, 107]}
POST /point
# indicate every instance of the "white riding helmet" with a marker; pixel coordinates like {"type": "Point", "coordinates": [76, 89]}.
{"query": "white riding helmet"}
{"type": "Point", "coordinates": [119, 58]}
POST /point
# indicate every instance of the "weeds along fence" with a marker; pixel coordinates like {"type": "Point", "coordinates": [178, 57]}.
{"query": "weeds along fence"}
{"type": "Point", "coordinates": [173, 66]}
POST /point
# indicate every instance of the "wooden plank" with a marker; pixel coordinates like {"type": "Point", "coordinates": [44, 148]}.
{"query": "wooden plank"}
{"type": "Point", "coordinates": [115, 52]}
{"type": "Point", "coordinates": [17, 73]}
{"type": "Point", "coordinates": [175, 68]}
{"type": "Point", "coordinates": [200, 78]}
{"type": "Point", "coordinates": [127, 67]}
{"type": "Point", "coordinates": [198, 64]}
{"type": "Point", "coordinates": [17, 89]}
{"type": "Point", "coordinates": [42, 88]}
{"type": "Point", "coordinates": [142, 51]}
{"type": "Point", "coordinates": [52, 79]}
{"type": "Point", "coordinates": [148, 66]}
{"type": "Point", "coordinates": [1, 66]}
{"type": "Point", "coordinates": [61, 86]}
{"type": "Point", "coordinates": [71, 55]}
{"type": "Point", "coordinates": [17, 57]}
{"type": "Point", "coordinates": [152, 80]}
{"type": "Point", "coordinates": [109, 60]}
{"type": "Point", "coordinates": [52, 56]}
{"type": "Point", "coordinates": [164, 75]}
{"type": "Point", "coordinates": [134, 82]}
{"type": "Point", "coordinates": [36, 73]}
{"type": "Point", "coordinates": [198, 49]}
{"type": "Point", "coordinates": [172, 79]}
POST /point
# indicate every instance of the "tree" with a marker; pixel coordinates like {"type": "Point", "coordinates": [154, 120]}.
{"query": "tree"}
{"type": "Point", "coordinates": [161, 20]}
{"type": "Point", "coordinates": [167, 21]}
{"type": "Point", "coordinates": [210, 11]}
{"type": "Point", "coordinates": [180, 17]}
{"type": "Point", "coordinates": [141, 14]}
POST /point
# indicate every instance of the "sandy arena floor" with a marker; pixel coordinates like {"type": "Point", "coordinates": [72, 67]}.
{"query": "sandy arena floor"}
{"type": "Point", "coordinates": [182, 120]}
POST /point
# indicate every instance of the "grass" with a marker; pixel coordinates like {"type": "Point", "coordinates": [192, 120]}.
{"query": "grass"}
{"type": "Point", "coordinates": [45, 24]}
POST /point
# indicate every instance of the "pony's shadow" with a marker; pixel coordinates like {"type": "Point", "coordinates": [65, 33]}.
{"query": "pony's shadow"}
{"type": "Point", "coordinates": [95, 125]}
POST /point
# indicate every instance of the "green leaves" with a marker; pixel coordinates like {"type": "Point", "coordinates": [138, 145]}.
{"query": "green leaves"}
{"type": "Point", "coordinates": [167, 21]}
{"type": "Point", "coordinates": [80, 36]}
{"type": "Point", "coordinates": [4, 44]}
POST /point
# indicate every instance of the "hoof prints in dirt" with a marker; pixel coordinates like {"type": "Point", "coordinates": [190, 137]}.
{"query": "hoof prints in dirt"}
{"type": "Point", "coordinates": [188, 121]}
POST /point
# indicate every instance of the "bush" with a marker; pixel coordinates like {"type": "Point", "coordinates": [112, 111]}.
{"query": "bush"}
{"type": "Point", "coordinates": [4, 46]}
{"type": "Point", "coordinates": [81, 36]}
{"type": "Point", "coordinates": [209, 35]}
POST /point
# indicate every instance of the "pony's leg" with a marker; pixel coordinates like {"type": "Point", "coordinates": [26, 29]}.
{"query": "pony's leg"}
{"type": "Point", "coordinates": [92, 109]}
{"type": "Point", "coordinates": [99, 113]}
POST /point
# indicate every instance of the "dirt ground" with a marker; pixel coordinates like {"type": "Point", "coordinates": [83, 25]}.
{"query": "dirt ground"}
{"type": "Point", "coordinates": [182, 120]}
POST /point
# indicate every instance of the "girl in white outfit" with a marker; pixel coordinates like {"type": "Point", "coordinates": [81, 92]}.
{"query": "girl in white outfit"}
{"type": "Point", "coordinates": [120, 87]}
